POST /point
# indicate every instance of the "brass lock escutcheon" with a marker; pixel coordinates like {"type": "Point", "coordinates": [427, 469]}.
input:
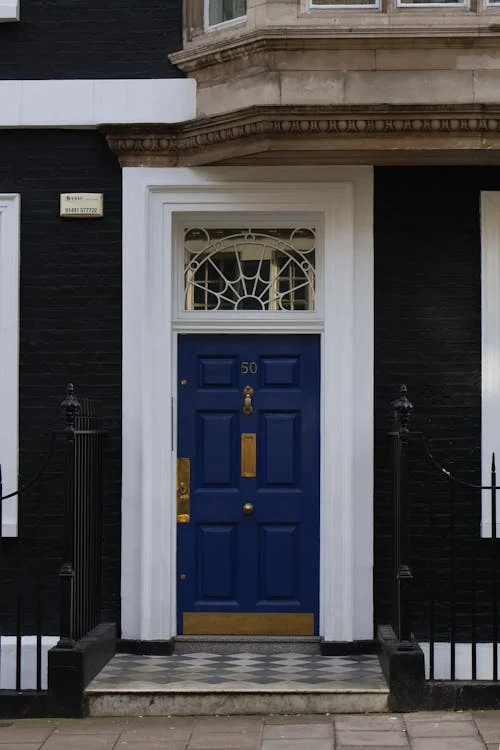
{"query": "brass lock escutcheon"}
{"type": "Point", "coordinates": [247, 403]}
{"type": "Point", "coordinates": [183, 489]}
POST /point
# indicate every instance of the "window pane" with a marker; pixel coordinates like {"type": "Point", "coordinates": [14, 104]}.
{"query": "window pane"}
{"type": "Point", "coordinates": [370, 3]}
{"type": "Point", "coordinates": [431, 2]}
{"type": "Point", "coordinates": [249, 269]}
{"type": "Point", "coordinates": [225, 10]}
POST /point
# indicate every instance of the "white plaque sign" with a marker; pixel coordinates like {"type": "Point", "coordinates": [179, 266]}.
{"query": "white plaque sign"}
{"type": "Point", "coordinates": [81, 205]}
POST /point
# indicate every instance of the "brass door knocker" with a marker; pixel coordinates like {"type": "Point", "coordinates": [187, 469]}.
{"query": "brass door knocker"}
{"type": "Point", "coordinates": [247, 404]}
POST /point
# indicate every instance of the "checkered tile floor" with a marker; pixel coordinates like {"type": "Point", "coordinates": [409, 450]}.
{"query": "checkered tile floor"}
{"type": "Point", "coordinates": [203, 670]}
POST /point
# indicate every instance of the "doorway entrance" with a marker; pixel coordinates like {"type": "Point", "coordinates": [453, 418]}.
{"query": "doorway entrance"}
{"type": "Point", "coordinates": [248, 484]}
{"type": "Point", "coordinates": [236, 208]}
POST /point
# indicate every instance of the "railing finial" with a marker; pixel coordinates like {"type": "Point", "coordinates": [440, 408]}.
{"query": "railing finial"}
{"type": "Point", "coordinates": [71, 406]}
{"type": "Point", "coordinates": [402, 410]}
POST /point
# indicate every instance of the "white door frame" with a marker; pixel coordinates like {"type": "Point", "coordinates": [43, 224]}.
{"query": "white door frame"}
{"type": "Point", "coordinates": [151, 200]}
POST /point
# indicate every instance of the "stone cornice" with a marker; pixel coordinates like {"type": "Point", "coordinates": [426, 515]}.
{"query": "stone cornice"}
{"type": "Point", "coordinates": [330, 133]}
{"type": "Point", "coordinates": [302, 38]}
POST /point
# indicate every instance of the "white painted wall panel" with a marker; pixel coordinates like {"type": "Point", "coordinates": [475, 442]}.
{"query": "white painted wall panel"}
{"type": "Point", "coordinates": [87, 104]}
{"type": "Point", "coordinates": [9, 354]}
{"type": "Point", "coordinates": [9, 10]}
{"type": "Point", "coordinates": [490, 348]}
{"type": "Point", "coordinates": [463, 660]}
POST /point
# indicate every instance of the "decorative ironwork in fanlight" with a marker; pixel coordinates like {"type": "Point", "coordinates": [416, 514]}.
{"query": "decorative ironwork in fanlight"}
{"type": "Point", "coordinates": [250, 269]}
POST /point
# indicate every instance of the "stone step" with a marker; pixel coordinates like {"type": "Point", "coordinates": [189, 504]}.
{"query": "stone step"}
{"type": "Point", "coordinates": [204, 683]}
{"type": "Point", "coordinates": [236, 702]}
{"type": "Point", "coordinates": [238, 644]}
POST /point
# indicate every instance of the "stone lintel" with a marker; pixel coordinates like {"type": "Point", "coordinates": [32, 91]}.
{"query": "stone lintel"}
{"type": "Point", "coordinates": [376, 134]}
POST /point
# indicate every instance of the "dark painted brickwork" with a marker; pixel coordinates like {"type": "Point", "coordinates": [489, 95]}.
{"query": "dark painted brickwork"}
{"type": "Point", "coordinates": [99, 39]}
{"type": "Point", "coordinates": [70, 324]}
{"type": "Point", "coordinates": [428, 335]}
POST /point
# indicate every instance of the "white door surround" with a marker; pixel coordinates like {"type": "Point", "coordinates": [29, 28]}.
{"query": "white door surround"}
{"type": "Point", "coordinates": [152, 200]}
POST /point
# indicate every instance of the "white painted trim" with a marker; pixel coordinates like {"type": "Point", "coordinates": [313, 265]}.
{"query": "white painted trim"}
{"type": "Point", "coordinates": [9, 10]}
{"type": "Point", "coordinates": [152, 198]}
{"type": "Point", "coordinates": [89, 103]}
{"type": "Point", "coordinates": [490, 348]}
{"type": "Point", "coordinates": [463, 660]}
{"type": "Point", "coordinates": [9, 355]}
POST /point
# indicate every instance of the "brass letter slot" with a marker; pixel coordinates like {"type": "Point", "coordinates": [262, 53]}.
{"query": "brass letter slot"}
{"type": "Point", "coordinates": [248, 454]}
{"type": "Point", "coordinates": [183, 487]}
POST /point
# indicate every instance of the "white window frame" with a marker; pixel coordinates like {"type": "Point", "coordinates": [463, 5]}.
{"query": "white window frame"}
{"type": "Point", "coordinates": [9, 10]}
{"type": "Point", "coordinates": [9, 354]}
{"type": "Point", "coordinates": [490, 349]}
{"type": "Point", "coordinates": [223, 24]}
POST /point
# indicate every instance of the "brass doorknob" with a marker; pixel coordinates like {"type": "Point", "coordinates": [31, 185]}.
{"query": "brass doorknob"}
{"type": "Point", "coordinates": [248, 509]}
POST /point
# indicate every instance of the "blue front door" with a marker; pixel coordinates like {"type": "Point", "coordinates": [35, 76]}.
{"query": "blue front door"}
{"type": "Point", "coordinates": [248, 530]}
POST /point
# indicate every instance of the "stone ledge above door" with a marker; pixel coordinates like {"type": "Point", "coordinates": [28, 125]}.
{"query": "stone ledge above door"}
{"type": "Point", "coordinates": [357, 134]}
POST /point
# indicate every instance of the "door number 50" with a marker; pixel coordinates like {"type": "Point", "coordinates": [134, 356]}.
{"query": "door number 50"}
{"type": "Point", "coordinates": [248, 368]}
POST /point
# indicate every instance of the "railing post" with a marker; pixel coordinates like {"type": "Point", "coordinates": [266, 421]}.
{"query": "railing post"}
{"type": "Point", "coordinates": [404, 578]}
{"type": "Point", "coordinates": [71, 407]}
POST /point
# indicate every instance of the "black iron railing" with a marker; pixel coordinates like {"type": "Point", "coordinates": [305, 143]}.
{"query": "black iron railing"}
{"type": "Point", "coordinates": [75, 456]}
{"type": "Point", "coordinates": [80, 575]}
{"type": "Point", "coordinates": [402, 572]}
{"type": "Point", "coordinates": [446, 574]}
{"type": "Point", "coordinates": [26, 568]}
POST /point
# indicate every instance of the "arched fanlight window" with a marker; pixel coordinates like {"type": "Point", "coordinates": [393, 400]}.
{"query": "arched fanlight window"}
{"type": "Point", "coordinates": [249, 269]}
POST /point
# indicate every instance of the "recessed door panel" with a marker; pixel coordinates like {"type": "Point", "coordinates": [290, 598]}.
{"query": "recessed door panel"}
{"type": "Point", "coordinates": [216, 436]}
{"type": "Point", "coordinates": [279, 558]}
{"type": "Point", "coordinates": [248, 420]}
{"type": "Point", "coordinates": [280, 372]}
{"type": "Point", "coordinates": [279, 434]}
{"type": "Point", "coordinates": [217, 372]}
{"type": "Point", "coordinates": [216, 552]}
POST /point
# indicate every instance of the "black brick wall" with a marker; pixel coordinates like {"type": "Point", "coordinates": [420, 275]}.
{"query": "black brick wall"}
{"type": "Point", "coordinates": [428, 335]}
{"type": "Point", "coordinates": [70, 327]}
{"type": "Point", "coordinates": [100, 39]}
